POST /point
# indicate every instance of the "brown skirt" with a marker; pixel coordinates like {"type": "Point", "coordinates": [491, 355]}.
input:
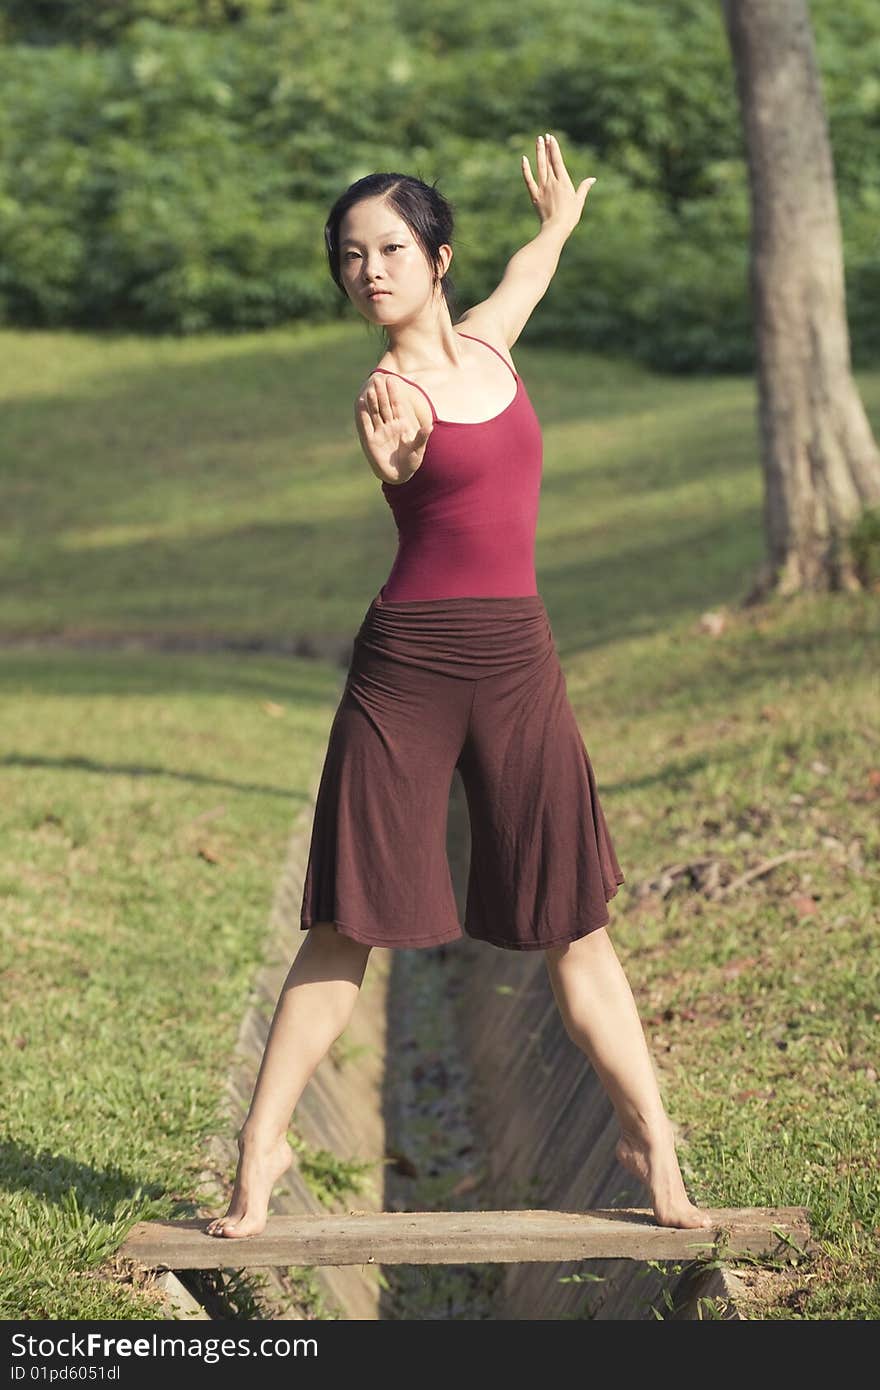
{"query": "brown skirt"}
{"type": "Point", "coordinates": [473, 684]}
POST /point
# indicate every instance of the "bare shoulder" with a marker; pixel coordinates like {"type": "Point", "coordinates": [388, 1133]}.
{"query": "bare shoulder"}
{"type": "Point", "coordinates": [369, 380]}
{"type": "Point", "coordinates": [482, 323]}
{"type": "Point", "coordinates": [385, 373]}
{"type": "Point", "coordinates": [397, 387]}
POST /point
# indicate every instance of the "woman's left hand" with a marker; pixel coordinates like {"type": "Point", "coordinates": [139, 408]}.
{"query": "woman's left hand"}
{"type": "Point", "coordinates": [554, 196]}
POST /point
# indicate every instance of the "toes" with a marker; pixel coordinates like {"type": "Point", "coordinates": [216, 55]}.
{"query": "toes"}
{"type": "Point", "coordinates": [218, 1227]}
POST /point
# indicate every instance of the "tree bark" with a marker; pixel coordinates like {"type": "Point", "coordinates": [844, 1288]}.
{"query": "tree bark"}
{"type": "Point", "coordinates": [820, 461]}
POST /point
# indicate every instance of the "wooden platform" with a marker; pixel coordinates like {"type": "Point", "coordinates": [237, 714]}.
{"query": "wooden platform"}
{"type": "Point", "coordinates": [473, 1237]}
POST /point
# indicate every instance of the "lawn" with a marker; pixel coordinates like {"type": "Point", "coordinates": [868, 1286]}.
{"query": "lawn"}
{"type": "Point", "coordinates": [212, 490]}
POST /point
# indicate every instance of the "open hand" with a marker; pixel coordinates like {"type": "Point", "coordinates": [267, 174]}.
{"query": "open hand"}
{"type": "Point", "coordinates": [393, 427]}
{"type": "Point", "coordinates": [554, 196]}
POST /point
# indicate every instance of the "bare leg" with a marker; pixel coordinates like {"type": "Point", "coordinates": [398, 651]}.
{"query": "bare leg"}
{"type": "Point", "coordinates": [600, 1017]}
{"type": "Point", "coordinates": [314, 1008]}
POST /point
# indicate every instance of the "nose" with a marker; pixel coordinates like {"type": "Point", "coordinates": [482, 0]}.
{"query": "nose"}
{"type": "Point", "coordinates": [369, 274]}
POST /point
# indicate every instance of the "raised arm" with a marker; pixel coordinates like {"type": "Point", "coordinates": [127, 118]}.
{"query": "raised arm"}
{"type": "Point", "coordinates": [530, 269]}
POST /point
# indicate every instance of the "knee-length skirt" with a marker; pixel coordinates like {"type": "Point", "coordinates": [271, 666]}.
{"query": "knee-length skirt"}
{"type": "Point", "coordinates": [473, 684]}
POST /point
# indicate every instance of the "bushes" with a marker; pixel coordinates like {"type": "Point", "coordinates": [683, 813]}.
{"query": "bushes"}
{"type": "Point", "coordinates": [168, 165]}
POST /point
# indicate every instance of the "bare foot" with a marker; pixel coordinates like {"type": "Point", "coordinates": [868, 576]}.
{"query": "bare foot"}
{"type": "Point", "coordinates": [654, 1162]}
{"type": "Point", "coordinates": [259, 1169]}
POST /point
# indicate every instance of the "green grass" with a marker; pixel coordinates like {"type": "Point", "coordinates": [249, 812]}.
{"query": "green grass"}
{"type": "Point", "coordinates": [213, 487]}
{"type": "Point", "coordinates": [147, 803]}
{"type": "Point", "coordinates": [762, 1004]}
{"type": "Point", "coordinates": [216, 486]}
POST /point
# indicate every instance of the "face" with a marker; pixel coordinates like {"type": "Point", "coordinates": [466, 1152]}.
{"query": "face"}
{"type": "Point", "coordinates": [377, 251]}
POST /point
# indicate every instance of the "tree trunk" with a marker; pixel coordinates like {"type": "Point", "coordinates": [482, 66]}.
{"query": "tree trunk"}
{"type": "Point", "coordinates": [820, 461]}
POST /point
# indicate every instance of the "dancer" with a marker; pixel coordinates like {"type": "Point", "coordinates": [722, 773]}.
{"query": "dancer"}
{"type": "Point", "coordinates": [455, 666]}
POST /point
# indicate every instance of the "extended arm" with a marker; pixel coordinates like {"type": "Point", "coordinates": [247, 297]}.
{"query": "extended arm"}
{"type": "Point", "coordinates": [530, 269]}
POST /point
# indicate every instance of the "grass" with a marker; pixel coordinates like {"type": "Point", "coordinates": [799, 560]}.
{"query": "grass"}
{"type": "Point", "coordinates": [213, 488]}
{"type": "Point", "coordinates": [761, 1004]}
{"type": "Point", "coordinates": [147, 803]}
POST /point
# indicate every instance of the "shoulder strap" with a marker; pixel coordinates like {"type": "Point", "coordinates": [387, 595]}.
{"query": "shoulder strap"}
{"type": "Point", "coordinates": [491, 349]}
{"type": "Point", "coordinates": [388, 372]}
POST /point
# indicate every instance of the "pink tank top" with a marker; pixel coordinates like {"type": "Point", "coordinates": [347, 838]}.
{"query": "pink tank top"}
{"type": "Point", "coordinates": [467, 518]}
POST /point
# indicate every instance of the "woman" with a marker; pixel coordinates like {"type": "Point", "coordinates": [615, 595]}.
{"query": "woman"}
{"type": "Point", "coordinates": [454, 666]}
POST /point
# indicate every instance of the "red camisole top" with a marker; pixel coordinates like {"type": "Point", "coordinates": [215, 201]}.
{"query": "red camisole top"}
{"type": "Point", "coordinates": [466, 519]}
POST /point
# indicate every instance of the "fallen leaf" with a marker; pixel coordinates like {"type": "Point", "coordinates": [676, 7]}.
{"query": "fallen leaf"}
{"type": "Point", "coordinates": [712, 623]}
{"type": "Point", "coordinates": [803, 904]}
{"type": "Point", "coordinates": [869, 793]}
{"type": "Point", "coordinates": [733, 968]}
{"type": "Point", "coordinates": [402, 1164]}
{"type": "Point", "coordinates": [210, 814]}
{"type": "Point", "coordinates": [465, 1184]}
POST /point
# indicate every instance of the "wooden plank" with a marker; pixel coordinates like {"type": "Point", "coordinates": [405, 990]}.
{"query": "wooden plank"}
{"type": "Point", "coordinates": [472, 1237]}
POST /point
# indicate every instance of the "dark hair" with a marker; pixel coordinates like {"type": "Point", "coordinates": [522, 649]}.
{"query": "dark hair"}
{"type": "Point", "coordinates": [426, 212]}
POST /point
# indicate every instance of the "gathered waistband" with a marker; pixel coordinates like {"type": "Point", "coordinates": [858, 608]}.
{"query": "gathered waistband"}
{"type": "Point", "coordinates": [464, 637]}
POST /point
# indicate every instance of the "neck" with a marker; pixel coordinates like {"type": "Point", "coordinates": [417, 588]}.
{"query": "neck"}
{"type": "Point", "coordinates": [426, 342]}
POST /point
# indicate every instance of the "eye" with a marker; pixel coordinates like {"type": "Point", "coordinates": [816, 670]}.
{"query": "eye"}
{"type": "Point", "coordinates": [394, 247]}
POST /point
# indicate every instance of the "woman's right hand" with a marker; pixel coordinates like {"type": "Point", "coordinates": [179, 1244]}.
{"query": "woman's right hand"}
{"type": "Point", "coordinates": [393, 426]}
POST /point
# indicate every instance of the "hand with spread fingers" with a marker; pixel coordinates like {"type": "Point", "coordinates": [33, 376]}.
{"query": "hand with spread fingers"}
{"type": "Point", "coordinates": [554, 196]}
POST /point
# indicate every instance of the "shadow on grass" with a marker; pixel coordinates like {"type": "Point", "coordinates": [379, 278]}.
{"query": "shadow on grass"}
{"type": "Point", "coordinates": [73, 764]}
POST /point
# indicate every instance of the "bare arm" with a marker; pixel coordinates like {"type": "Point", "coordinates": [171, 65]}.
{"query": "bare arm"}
{"type": "Point", "coordinates": [529, 271]}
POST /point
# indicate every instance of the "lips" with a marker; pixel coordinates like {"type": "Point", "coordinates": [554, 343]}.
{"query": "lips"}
{"type": "Point", "coordinates": [376, 294]}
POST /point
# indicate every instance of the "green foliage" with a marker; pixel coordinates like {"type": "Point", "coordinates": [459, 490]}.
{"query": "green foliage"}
{"type": "Point", "coordinates": [105, 21]}
{"type": "Point", "coordinates": [168, 165]}
{"type": "Point", "coordinates": [330, 1178]}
